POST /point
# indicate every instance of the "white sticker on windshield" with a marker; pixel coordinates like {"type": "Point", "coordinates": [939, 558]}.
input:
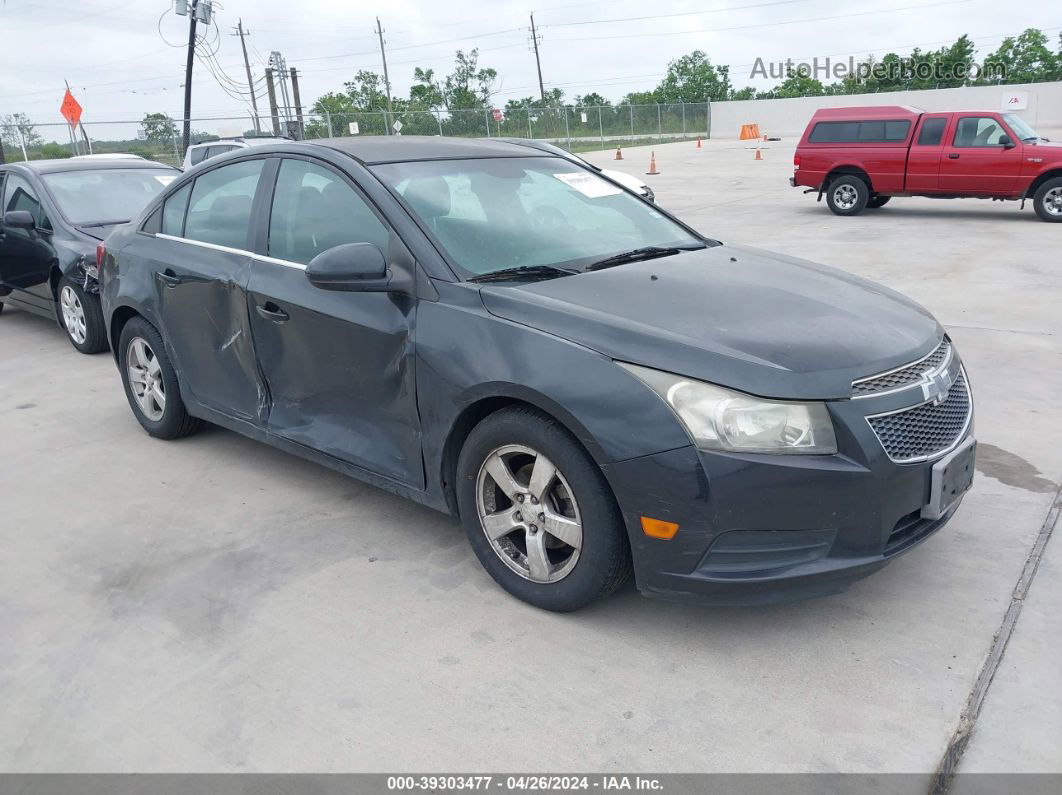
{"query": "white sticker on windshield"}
{"type": "Point", "coordinates": [591, 186]}
{"type": "Point", "coordinates": [165, 179]}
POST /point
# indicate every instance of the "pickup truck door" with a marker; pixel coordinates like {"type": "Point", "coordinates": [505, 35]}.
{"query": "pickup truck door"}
{"type": "Point", "coordinates": [927, 149]}
{"type": "Point", "coordinates": [976, 160]}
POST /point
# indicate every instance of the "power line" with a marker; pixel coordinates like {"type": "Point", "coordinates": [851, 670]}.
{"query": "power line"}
{"type": "Point", "coordinates": [769, 24]}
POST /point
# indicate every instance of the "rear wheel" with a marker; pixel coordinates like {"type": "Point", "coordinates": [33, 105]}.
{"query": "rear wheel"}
{"type": "Point", "coordinates": [1048, 200]}
{"type": "Point", "coordinates": [847, 195]}
{"type": "Point", "coordinates": [539, 514]}
{"type": "Point", "coordinates": [876, 201]}
{"type": "Point", "coordinates": [151, 382]}
{"type": "Point", "coordinates": [82, 317]}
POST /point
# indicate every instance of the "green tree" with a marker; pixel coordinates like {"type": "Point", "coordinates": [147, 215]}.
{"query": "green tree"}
{"type": "Point", "coordinates": [641, 98]}
{"type": "Point", "coordinates": [797, 84]}
{"type": "Point", "coordinates": [1025, 59]}
{"type": "Point", "coordinates": [692, 78]}
{"type": "Point", "coordinates": [158, 128]}
{"type": "Point", "coordinates": [592, 100]}
{"type": "Point", "coordinates": [54, 151]}
{"type": "Point", "coordinates": [16, 129]}
{"type": "Point", "coordinates": [748, 92]}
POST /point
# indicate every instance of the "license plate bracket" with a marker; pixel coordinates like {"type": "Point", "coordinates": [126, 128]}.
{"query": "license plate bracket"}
{"type": "Point", "coordinates": [951, 477]}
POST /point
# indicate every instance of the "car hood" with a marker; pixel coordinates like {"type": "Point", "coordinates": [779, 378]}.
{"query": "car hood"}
{"type": "Point", "coordinates": [759, 322]}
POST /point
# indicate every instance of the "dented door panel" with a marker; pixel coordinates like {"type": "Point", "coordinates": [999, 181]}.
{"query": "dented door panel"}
{"type": "Point", "coordinates": [338, 367]}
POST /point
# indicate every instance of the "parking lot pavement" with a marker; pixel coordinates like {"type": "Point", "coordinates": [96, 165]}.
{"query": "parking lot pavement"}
{"type": "Point", "coordinates": [213, 604]}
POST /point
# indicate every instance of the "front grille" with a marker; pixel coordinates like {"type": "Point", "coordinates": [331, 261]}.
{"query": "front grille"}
{"type": "Point", "coordinates": [924, 431]}
{"type": "Point", "coordinates": [905, 376]}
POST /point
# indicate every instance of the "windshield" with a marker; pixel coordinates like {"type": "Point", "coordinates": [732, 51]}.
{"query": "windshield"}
{"type": "Point", "coordinates": [501, 213]}
{"type": "Point", "coordinates": [106, 195]}
{"type": "Point", "coordinates": [1020, 127]}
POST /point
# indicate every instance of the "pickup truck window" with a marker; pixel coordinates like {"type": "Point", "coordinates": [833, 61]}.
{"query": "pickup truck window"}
{"type": "Point", "coordinates": [977, 131]}
{"type": "Point", "coordinates": [850, 132]}
{"type": "Point", "coordinates": [932, 131]}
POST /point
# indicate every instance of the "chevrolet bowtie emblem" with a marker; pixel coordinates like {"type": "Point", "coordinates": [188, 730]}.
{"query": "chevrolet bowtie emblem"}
{"type": "Point", "coordinates": [936, 385]}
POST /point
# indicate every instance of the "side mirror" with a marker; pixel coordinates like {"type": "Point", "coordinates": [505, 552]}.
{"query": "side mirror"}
{"type": "Point", "coordinates": [19, 219]}
{"type": "Point", "coordinates": [352, 267]}
{"type": "Point", "coordinates": [1005, 142]}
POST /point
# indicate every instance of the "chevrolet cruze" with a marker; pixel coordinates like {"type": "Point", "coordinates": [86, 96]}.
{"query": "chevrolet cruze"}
{"type": "Point", "coordinates": [588, 383]}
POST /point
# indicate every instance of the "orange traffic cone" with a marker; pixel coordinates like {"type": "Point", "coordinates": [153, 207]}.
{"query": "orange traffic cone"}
{"type": "Point", "coordinates": [652, 172]}
{"type": "Point", "coordinates": [758, 155]}
{"type": "Point", "coordinates": [619, 154]}
{"type": "Point", "coordinates": [698, 142]}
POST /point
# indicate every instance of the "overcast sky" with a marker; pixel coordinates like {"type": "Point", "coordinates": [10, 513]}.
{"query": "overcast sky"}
{"type": "Point", "coordinates": [124, 58]}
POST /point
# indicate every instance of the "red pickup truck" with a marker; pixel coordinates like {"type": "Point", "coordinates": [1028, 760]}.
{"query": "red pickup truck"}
{"type": "Point", "coordinates": [862, 157]}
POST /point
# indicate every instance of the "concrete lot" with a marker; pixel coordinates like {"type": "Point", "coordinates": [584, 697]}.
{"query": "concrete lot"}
{"type": "Point", "coordinates": [216, 605]}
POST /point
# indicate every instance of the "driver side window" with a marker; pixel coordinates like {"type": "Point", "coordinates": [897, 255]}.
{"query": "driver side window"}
{"type": "Point", "coordinates": [19, 195]}
{"type": "Point", "coordinates": [979, 131]}
{"type": "Point", "coordinates": [314, 210]}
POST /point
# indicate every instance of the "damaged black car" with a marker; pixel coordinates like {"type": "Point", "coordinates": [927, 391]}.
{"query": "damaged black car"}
{"type": "Point", "coordinates": [590, 384]}
{"type": "Point", "coordinates": [53, 216]}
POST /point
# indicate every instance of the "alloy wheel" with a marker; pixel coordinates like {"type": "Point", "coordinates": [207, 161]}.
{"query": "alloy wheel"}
{"type": "Point", "coordinates": [145, 379]}
{"type": "Point", "coordinates": [845, 197]}
{"type": "Point", "coordinates": [1053, 201]}
{"type": "Point", "coordinates": [529, 514]}
{"type": "Point", "coordinates": [73, 315]}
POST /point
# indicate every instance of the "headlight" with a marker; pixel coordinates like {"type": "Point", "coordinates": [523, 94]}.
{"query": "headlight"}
{"type": "Point", "coordinates": [720, 419]}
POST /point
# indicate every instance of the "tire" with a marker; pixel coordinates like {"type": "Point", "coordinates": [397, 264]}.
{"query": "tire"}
{"type": "Point", "coordinates": [170, 420]}
{"type": "Point", "coordinates": [847, 195]}
{"type": "Point", "coordinates": [81, 317]}
{"type": "Point", "coordinates": [876, 201]}
{"type": "Point", "coordinates": [1048, 200]}
{"type": "Point", "coordinates": [567, 577]}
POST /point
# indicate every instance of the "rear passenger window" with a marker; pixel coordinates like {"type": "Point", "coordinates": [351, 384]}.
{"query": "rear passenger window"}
{"type": "Point", "coordinates": [173, 212]}
{"type": "Point", "coordinates": [932, 132]}
{"type": "Point", "coordinates": [314, 210]}
{"type": "Point", "coordinates": [219, 210]}
{"type": "Point", "coordinates": [198, 155]}
{"type": "Point", "coordinates": [850, 132]}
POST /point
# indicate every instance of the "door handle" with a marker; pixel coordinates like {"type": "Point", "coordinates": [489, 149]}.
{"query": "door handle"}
{"type": "Point", "coordinates": [169, 278]}
{"type": "Point", "coordinates": [271, 311]}
{"type": "Point", "coordinates": [953, 157]}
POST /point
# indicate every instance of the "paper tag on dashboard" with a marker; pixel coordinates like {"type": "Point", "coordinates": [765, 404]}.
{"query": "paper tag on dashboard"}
{"type": "Point", "coordinates": [591, 186]}
{"type": "Point", "coordinates": [165, 179]}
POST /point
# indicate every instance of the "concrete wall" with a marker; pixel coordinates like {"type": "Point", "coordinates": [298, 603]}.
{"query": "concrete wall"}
{"type": "Point", "coordinates": [789, 117]}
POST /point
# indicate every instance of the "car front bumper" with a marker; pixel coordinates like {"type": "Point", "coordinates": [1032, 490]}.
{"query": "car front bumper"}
{"type": "Point", "coordinates": [756, 529]}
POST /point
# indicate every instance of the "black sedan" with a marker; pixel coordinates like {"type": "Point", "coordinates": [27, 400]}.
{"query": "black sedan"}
{"type": "Point", "coordinates": [53, 214]}
{"type": "Point", "coordinates": [585, 380]}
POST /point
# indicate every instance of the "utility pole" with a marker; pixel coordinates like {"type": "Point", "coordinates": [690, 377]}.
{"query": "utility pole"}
{"type": "Point", "coordinates": [538, 61]}
{"type": "Point", "coordinates": [250, 82]}
{"type": "Point", "coordinates": [387, 80]}
{"type": "Point", "coordinates": [272, 101]}
{"type": "Point", "coordinates": [196, 11]}
{"type": "Point", "coordinates": [298, 103]}
{"type": "Point", "coordinates": [186, 133]}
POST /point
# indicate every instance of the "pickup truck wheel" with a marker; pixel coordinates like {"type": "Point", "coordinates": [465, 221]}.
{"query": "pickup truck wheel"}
{"type": "Point", "coordinates": [847, 195]}
{"type": "Point", "coordinates": [1048, 200]}
{"type": "Point", "coordinates": [877, 201]}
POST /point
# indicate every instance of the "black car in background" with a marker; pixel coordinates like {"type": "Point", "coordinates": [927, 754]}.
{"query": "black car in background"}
{"type": "Point", "coordinates": [587, 382]}
{"type": "Point", "coordinates": [53, 214]}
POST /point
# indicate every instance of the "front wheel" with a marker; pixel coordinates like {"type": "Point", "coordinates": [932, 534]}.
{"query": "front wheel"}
{"type": "Point", "coordinates": [1048, 200]}
{"type": "Point", "coordinates": [877, 201]}
{"type": "Point", "coordinates": [538, 512]}
{"type": "Point", "coordinates": [82, 317]}
{"type": "Point", "coordinates": [847, 195]}
{"type": "Point", "coordinates": [151, 382]}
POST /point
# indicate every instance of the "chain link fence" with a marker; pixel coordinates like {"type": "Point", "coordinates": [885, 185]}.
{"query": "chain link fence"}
{"type": "Point", "coordinates": [575, 128]}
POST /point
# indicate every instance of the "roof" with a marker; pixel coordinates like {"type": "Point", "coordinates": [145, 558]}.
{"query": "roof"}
{"type": "Point", "coordinates": [397, 148]}
{"type": "Point", "coordinates": [76, 164]}
{"type": "Point", "coordinates": [868, 112]}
